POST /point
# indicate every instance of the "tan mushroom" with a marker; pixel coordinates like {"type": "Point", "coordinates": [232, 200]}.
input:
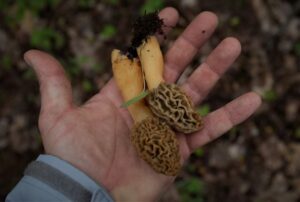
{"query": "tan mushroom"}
{"type": "Point", "coordinates": [166, 101]}
{"type": "Point", "coordinates": [154, 140]}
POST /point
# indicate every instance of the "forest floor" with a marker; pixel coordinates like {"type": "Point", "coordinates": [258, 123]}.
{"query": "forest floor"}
{"type": "Point", "coordinates": [258, 160]}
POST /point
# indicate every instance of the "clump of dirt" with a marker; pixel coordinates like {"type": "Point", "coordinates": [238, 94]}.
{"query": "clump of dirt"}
{"type": "Point", "coordinates": [143, 27]}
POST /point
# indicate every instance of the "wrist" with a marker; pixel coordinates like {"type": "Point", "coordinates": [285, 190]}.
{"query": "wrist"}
{"type": "Point", "coordinates": [76, 177]}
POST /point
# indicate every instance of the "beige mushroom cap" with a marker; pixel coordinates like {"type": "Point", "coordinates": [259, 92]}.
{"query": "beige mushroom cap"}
{"type": "Point", "coordinates": [157, 144]}
{"type": "Point", "coordinates": [171, 104]}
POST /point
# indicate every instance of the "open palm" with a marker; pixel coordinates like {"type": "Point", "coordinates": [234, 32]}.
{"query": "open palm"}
{"type": "Point", "coordinates": [95, 137]}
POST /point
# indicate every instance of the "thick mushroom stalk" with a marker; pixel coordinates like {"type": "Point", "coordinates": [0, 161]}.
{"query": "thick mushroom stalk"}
{"type": "Point", "coordinates": [152, 62]}
{"type": "Point", "coordinates": [154, 140]}
{"type": "Point", "coordinates": [130, 81]}
{"type": "Point", "coordinates": [166, 101]}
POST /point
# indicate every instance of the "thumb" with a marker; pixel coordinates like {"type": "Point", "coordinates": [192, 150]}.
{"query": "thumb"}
{"type": "Point", "coordinates": [55, 88]}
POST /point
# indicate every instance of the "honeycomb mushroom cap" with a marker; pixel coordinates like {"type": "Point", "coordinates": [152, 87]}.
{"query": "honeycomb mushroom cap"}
{"type": "Point", "coordinates": [157, 144]}
{"type": "Point", "coordinates": [171, 104]}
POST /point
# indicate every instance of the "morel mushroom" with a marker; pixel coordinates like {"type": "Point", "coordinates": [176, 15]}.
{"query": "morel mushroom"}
{"type": "Point", "coordinates": [165, 100]}
{"type": "Point", "coordinates": [154, 141]}
{"type": "Point", "coordinates": [168, 102]}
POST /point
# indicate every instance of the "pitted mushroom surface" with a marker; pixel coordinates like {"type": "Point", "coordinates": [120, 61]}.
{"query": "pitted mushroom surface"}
{"type": "Point", "coordinates": [156, 143]}
{"type": "Point", "coordinates": [169, 103]}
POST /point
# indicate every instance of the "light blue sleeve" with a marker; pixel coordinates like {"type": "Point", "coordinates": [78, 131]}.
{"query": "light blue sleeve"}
{"type": "Point", "coordinates": [52, 179]}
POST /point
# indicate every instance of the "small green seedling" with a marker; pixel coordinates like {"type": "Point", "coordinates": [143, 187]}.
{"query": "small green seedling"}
{"type": "Point", "coordinates": [141, 96]}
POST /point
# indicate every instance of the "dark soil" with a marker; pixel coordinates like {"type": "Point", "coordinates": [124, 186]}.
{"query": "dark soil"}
{"type": "Point", "coordinates": [143, 27]}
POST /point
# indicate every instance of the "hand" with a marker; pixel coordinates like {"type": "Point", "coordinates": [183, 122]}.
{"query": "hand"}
{"type": "Point", "coordinates": [95, 137]}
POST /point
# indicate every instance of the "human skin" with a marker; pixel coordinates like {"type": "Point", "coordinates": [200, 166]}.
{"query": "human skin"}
{"type": "Point", "coordinates": [95, 137]}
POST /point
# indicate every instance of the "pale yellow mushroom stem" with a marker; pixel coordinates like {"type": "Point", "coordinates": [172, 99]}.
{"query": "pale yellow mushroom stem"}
{"type": "Point", "coordinates": [129, 78]}
{"type": "Point", "coordinates": [152, 61]}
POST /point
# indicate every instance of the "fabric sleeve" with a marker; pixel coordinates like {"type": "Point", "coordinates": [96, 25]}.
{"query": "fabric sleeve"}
{"type": "Point", "coordinates": [52, 179]}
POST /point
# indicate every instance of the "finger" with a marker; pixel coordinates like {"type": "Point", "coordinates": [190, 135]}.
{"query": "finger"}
{"type": "Point", "coordinates": [188, 43]}
{"type": "Point", "coordinates": [55, 88]}
{"type": "Point", "coordinates": [170, 18]}
{"type": "Point", "coordinates": [208, 73]}
{"type": "Point", "coordinates": [223, 119]}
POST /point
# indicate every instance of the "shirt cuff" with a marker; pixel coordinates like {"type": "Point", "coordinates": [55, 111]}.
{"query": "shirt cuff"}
{"type": "Point", "coordinates": [97, 191]}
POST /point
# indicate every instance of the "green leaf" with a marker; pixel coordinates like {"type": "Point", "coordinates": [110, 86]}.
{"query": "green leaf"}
{"type": "Point", "coordinates": [191, 189]}
{"type": "Point", "coordinates": [72, 67]}
{"type": "Point", "coordinates": [204, 110]}
{"type": "Point", "coordinates": [199, 152]}
{"type": "Point", "coordinates": [108, 31]}
{"type": "Point", "coordinates": [87, 86]}
{"type": "Point", "coordinates": [191, 185]}
{"type": "Point", "coordinates": [151, 6]}
{"type": "Point", "coordinates": [28, 74]}
{"type": "Point", "coordinates": [47, 38]}
{"type": "Point", "coordinates": [141, 96]}
{"type": "Point", "coordinates": [235, 21]}
{"type": "Point", "coordinates": [270, 95]}
{"type": "Point", "coordinates": [98, 67]}
{"type": "Point", "coordinates": [81, 60]}
{"type": "Point", "coordinates": [191, 168]}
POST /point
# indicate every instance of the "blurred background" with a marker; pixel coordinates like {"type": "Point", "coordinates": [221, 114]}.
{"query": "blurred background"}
{"type": "Point", "coordinates": [258, 160]}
